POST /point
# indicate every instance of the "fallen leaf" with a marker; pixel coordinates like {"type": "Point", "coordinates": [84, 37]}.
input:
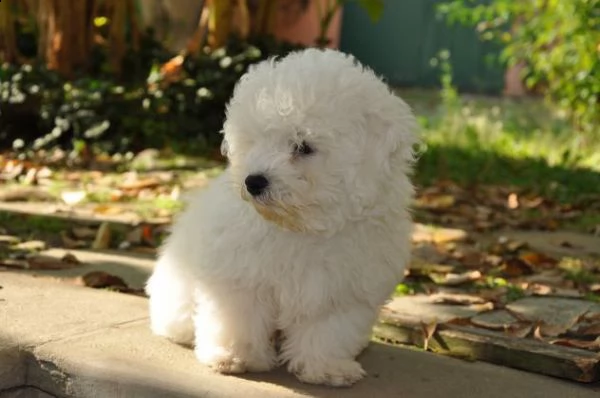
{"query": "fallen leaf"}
{"type": "Point", "coordinates": [428, 330]}
{"type": "Point", "coordinates": [71, 198]}
{"type": "Point", "coordinates": [591, 316]}
{"type": "Point", "coordinates": [100, 279]}
{"type": "Point", "coordinates": [30, 176]}
{"type": "Point", "coordinates": [147, 234]}
{"type": "Point", "coordinates": [436, 201]}
{"type": "Point", "coordinates": [551, 330]}
{"type": "Point", "coordinates": [471, 258]}
{"type": "Point", "coordinates": [25, 194]}
{"type": "Point", "coordinates": [9, 240]}
{"type": "Point", "coordinates": [519, 330]}
{"type": "Point", "coordinates": [456, 299]}
{"type": "Point", "coordinates": [593, 345]}
{"type": "Point", "coordinates": [514, 267]}
{"type": "Point", "coordinates": [70, 259]}
{"type": "Point", "coordinates": [40, 262]}
{"type": "Point", "coordinates": [514, 246]}
{"type": "Point", "coordinates": [538, 259]}
{"type": "Point", "coordinates": [107, 209]}
{"type": "Point", "coordinates": [589, 330]}
{"type": "Point", "coordinates": [83, 232]}
{"type": "Point", "coordinates": [458, 279]}
{"type": "Point", "coordinates": [14, 264]}
{"type": "Point", "coordinates": [134, 236]}
{"type": "Point", "coordinates": [71, 243]}
{"type": "Point", "coordinates": [31, 245]}
{"type": "Point", "coordinates": [567, 244]}
{"type": "Point", "coordinates": [512, 201]}
{"type": "Point", "coordinates": [537, 333]}
{"type": "Point", "coordinates": [103, 237]}
{"type": "Point", "coordinates": [139, 184]}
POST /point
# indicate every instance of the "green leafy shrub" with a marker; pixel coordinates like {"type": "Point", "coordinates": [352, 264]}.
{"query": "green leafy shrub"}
{"type": "Point", "coordinates": [38, 109]}
{"type": "Point", "coordinates": [558, 41]}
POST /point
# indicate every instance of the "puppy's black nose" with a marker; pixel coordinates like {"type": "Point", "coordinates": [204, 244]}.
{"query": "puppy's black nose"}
{"type": "Point", "coordinates": [256, 184]}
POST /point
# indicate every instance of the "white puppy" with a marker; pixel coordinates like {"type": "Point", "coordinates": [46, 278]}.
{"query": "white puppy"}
{"type": "Point", "coordinates": [307, 232]}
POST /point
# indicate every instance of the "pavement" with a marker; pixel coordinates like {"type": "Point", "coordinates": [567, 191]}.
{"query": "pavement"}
{"type": "Point", "coordinates": [62, 340]}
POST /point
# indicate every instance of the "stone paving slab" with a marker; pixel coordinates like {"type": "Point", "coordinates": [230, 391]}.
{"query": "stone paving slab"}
{"type": "Point", "coordinates": [35, 311]}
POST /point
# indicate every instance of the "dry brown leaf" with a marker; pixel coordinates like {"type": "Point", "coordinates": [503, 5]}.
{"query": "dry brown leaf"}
{"type": "Point", "coordinates": [15, 264]}
{"type": "Point", "coordinates": [428, 330]}
{"type": "Point", "coordinates": [456, 299]}
{"type": "Point", "coordinates": [460, 322]}
{"type": "Point", "coordinates": [514, 267]}
{"type": "Point", "coordinates": [100, 279]}
{"type": "Point", "coordinates": [458, 279]}
{"type": "Point", "coordinates": [171, 70]}
{"type": "Point", "coordinates": [147, 234]}
{"type": "Point", "coordinates": [138, 185]}
{"type": "Point", "coordinates": [537, 333]}
{"type": "Point", "coordinates": [71, 243]}
{"type": "Point", "coordinates": [134, 236]}
{"type": "Point", "coordinates": [589, 330]}
{"type": "Point", "coordinates": [591, 316]}
{"type": "Point", "coordinates": [514, 245]}
{"type": "Point", "coordinates": [551, 330]}
{"type": "Point", "coordinates": [531, 202]}
{"type": "Point", "coordinates": [539, 290]}
{"type": "Point", "coordinates": [538, 259]}
{"type": "Point", "coordinates": [512, 202]}
{"type": "Point", "coordinates": [40, 262]}
{"type": "Point", "coordinates": [108, 209]}
{"type": "Point", "coordinates": [471, 259]}
{"type": "Point", "coordinates": [593, 345]}
{"type": "Point", "coordinates": [103, 237]}
{"type": "Point", "coordinates": [72, 198]}
{"type": "Point", "coordinates": [436, 201]}
{"type": "Point", "coordinates": [519, 330]}
{"type": "Point", "coordinates": [83, 232]}
{"type": "Point", "coordinates": [70, 258]}
{"type": "Point", "coordinates": [31, 245]}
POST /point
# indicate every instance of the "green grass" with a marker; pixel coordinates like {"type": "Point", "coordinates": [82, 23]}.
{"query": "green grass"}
{"type": "Point", "coordinates": [494, 140]}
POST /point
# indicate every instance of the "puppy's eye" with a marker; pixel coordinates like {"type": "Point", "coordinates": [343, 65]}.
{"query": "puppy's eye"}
{"type": "Point", "coordinates": [303, 149]}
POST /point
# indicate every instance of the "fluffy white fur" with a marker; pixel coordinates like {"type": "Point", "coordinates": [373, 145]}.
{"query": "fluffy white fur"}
{"type": "Point", "coordinates": [320, 251]}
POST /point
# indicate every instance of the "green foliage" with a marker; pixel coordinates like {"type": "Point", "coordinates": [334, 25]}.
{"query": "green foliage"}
{"type": "Point", "coordinates": [38, 109]}
{"type": "Point", "coordinates": [496, 140]}
{"type": "Point", "coordinates": [557, 40]}
{"type": "Point", "coordinates": [449, 92]}
{"type": "Point", "coordinates": [374, 8]}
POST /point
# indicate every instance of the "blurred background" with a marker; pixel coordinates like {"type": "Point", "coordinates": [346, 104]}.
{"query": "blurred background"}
{"type": "Point", "coordinates": [507, 92]}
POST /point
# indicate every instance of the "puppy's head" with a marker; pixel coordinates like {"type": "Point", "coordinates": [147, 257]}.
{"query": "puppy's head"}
{"type": "Point", "coordinates": [315, 140]}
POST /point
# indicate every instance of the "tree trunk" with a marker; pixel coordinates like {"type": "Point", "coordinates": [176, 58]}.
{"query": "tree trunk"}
{"type": "Point", "coordinates": [8, 42]}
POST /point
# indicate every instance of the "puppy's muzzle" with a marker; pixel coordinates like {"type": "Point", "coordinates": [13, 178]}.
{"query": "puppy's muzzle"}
{"type": "Point", "coordinates": [256, 184]}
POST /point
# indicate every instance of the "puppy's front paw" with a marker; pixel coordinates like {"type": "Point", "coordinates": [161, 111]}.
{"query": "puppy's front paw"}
{"type": "Point", "coordinates": [221, 360]}
{"type": "Point", "coordinates": [229, 363]}
{"type": "Point", "coordinates": [334, 372]}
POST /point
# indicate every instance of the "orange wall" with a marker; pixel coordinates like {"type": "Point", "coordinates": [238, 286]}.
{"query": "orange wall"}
{"type": "Point", "coordinates": [304, 28]}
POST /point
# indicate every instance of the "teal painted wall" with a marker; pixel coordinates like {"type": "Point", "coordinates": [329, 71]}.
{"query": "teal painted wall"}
{"type": "Point", "coordinates": [402, 43]}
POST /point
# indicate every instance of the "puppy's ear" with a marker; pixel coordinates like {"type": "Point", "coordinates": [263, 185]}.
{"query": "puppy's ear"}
{"type": "Point", "coordinates": [396, 129]}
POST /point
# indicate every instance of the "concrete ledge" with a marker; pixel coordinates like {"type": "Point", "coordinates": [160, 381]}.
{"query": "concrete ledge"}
{"type": "Point", "coordinates": [59, 340]}
{"type": "Point", "coordinates": [12, 365]}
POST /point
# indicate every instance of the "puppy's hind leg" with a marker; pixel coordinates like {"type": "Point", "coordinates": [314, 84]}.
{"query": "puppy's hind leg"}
{"type": "Point", "coordinates": [171, 304]}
